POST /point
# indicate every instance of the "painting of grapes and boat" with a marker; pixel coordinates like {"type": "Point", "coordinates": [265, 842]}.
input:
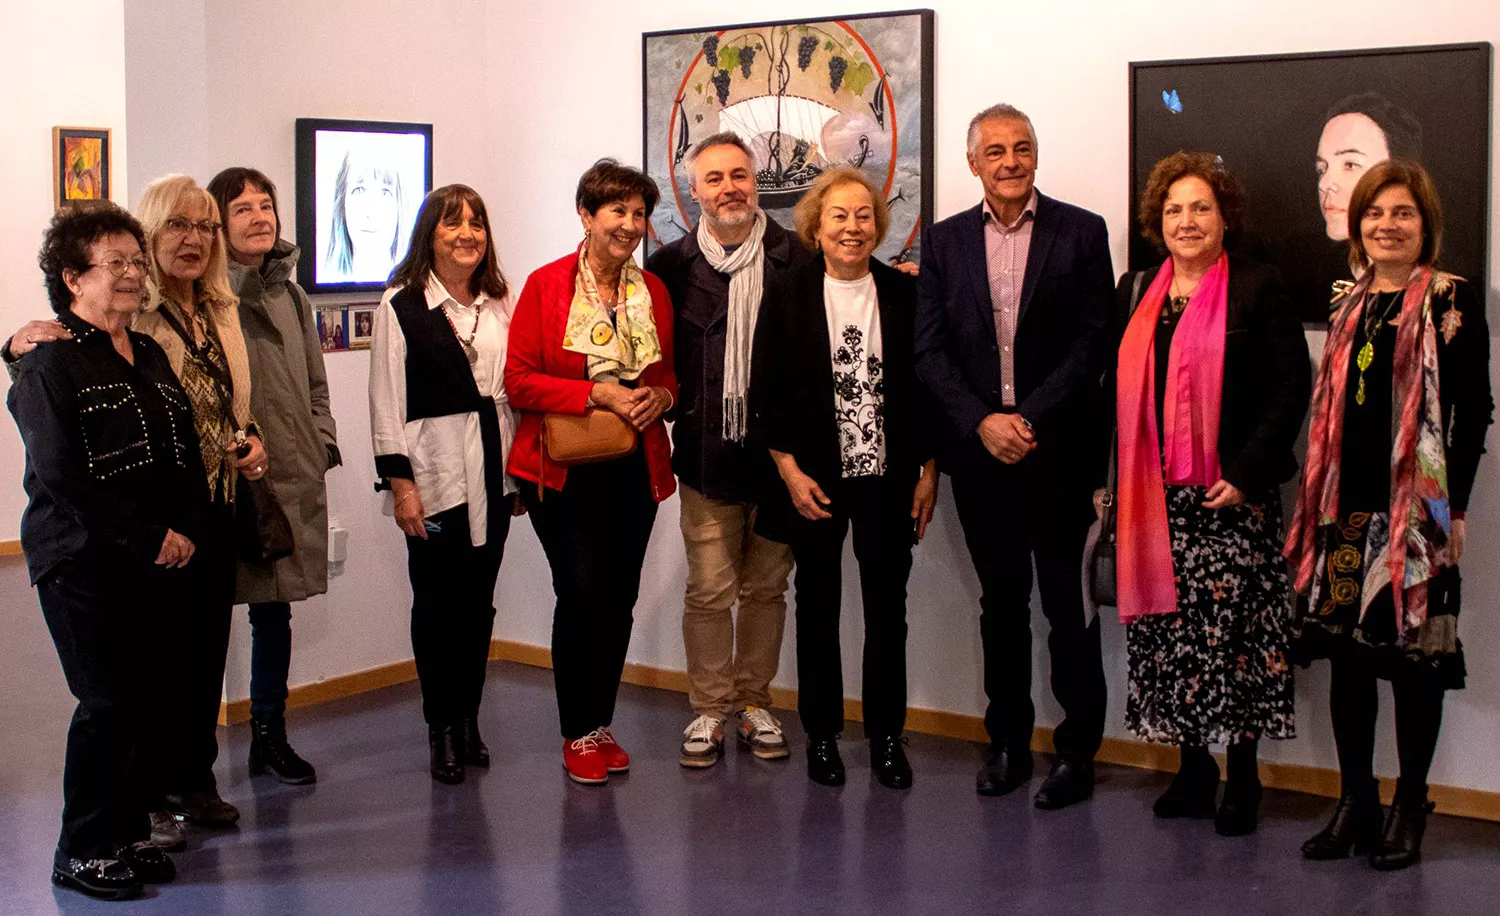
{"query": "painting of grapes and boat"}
{"type": "Point", "coordinates": [807, 97]}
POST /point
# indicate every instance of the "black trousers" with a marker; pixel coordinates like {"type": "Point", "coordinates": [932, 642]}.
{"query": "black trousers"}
{"type": "Point", "coordinates": [879, 511]}
{"type": "Point", "coordinates": [453, 610]}
{"type": "Point", "coordinates": [191, 701]}
{"type": "Point", "coordinates": [1010, 515]}
{"type": "Point", "coordinates": [594, 532]}
{"type": "Point", "coordinates": [1354, 705]}
{"type": "Point", "coordinates": [110, 626]}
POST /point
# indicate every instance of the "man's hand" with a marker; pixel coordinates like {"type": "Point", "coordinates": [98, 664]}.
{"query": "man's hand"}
{"type": "Point", "coordinates": [1007, 436]}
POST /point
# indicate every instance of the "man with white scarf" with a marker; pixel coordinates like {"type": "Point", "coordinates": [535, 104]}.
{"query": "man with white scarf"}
{"type": "Point", "coordinates": [716, 276]}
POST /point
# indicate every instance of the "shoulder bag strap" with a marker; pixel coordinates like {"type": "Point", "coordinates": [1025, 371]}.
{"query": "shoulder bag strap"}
{"type": "Point", "coordinates": [1114, 439]}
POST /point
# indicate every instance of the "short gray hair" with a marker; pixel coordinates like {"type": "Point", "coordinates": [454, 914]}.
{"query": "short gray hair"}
{"type": "Point", "coordinates": [1001, 112]}
{"type": "Point", "coordinates": [722, 138]}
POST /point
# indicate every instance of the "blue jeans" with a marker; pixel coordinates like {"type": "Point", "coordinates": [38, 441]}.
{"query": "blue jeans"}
{"type": "Point", "coordinates": [270, 658]}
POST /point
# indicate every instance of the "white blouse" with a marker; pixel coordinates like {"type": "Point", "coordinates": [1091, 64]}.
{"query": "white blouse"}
{"type": "Point", "coordinates": [446, 453]}
{"type": "Point", "coordinates": [853, 312]}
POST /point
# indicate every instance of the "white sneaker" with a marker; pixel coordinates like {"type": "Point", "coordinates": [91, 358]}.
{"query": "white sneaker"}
{"type": "Point", "coordinates": [702, 742]}
{"type": "Point", "coordinates": [761, 733]}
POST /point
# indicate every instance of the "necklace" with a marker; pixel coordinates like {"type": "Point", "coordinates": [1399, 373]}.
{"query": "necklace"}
{"type": "Point", "coordinates": [470, 350]}
{"type": "Point", "coordinates": [1177, 302]}
{"type": "Point", "coordinates": [1374, 321]}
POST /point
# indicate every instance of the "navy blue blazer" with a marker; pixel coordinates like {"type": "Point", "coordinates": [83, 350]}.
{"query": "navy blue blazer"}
{"type": "Point", "coordinates": [1062, 346]}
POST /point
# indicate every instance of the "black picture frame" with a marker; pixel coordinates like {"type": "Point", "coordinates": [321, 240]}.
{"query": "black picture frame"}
{"type": "Point", "coordinates": [1266, 116]}
{"type": "Point", "coordinates": [667, 85]}
{"type": "Point", "coordinates": [317, 271]}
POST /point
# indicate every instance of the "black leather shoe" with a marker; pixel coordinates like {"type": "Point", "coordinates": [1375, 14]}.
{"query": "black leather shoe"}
{"type": "Point", "coordinates": [824, 765]}
{"type": "Point", "coordinates": [1192, 791]}
{"type": "Point", "coordinates": [1003, 771]}
{"type": "Point", "coordinates": [204, 808]}
{"type": "Point", "coordinates": [270, 753]}
{"type": "Point", "coordinates": [107, 879]}
{"type": "Point", "coordinates": [150, 864]}
{"type": "Point", "coordinates": [889, 764]}
{"type": "Point", "coordinates": [1070, 782]}
{"type": "Point", "coordinates": [472, 748]}
{"type": "Point", "coordinates": [1239, 813]}
{"type": "Point", "coordinates": [1401, 841]}
{"type": "Point", "coordinates": [447, 762]}
{"type": "Point", "coordinates": [1355, 827]}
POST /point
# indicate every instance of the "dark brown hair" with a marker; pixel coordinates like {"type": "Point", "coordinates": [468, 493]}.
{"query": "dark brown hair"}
{"type": "Point", "coordinates": [608, 181]}
{"type": "Point", "coordinates": [1409, 174]}
{"type": "Point", "coordinates": [1180, 165]}
{"type": "Point", "coordinates": [441, 204]}
{"type": "Point", "coordinates": [808, 214]}
{"type": "Point", "coordinates": [232, 182]}
{"type": "Point", "coordinates": [66, 244]}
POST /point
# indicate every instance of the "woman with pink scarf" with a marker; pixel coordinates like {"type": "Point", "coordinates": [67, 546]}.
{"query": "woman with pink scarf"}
{"type": "Point", "coordinates": [1212, 385]}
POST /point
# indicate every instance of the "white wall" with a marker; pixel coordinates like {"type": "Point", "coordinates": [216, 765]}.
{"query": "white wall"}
{"type": "Point", "coordinates": [63, 66]}
{"type": "Point", "coordinates": [507, 86]}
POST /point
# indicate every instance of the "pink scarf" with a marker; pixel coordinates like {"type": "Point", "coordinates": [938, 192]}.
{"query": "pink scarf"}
{"type": "Point", "coordinates": [1189, 453]}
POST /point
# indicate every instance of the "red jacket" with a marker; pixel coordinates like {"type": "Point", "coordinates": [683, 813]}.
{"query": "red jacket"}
{"type": "Point", "coordinates": [541, 377]}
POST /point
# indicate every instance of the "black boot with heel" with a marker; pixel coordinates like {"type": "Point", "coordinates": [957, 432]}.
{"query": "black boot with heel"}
{"type": "Point", "coordinates": [1355, 826]}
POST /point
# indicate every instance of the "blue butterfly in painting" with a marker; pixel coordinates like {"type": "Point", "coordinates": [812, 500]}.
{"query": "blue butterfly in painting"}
{"type": "Point", "coordinates": [1169, 98]}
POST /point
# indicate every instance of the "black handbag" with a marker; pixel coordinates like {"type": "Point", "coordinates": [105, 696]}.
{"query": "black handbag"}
{"type": "Point", "coordinates": [263, 532]}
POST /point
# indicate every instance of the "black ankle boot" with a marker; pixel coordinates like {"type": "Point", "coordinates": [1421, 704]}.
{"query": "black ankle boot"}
{"type": "Point", "coordinates": [1193, 789]}
{"type": "Point", "coordinates": [1401, 841]}
{"type": "Point", "coordinates": [1239, 813]}
{"type": "Point", "coordinates": [446, 761]}
{"type": "Point", "coordinates": [471, 746]}
{"type": "Point", "coordinates": [1355, 826]}
{"type": "Point", "coordinates": [824, 765]}
{"type": "Point", "coordinates": [270, 753]}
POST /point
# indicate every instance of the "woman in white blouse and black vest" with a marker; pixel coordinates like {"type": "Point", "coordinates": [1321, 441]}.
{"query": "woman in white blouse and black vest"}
{"type": "Point", "coordinates": [834, 396]}
{"type": "Point", "coordinates": [442, 429]}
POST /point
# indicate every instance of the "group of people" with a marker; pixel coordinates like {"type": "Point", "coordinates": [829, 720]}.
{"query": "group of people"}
{"type": "Point", "coordinates": [811, 390]}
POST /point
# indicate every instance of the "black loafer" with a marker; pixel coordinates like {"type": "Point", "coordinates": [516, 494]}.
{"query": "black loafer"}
{"type": "Point", "coordinates": [889, 764]}
{"type": "Point", "coordinates": [1069, 782]}
{"type": "Point", "coordinates": [446, 763]}
{"type": "Point", "coordinates": [474, 753]}
{"type": "Point", "coordinates": [1003, 772]}
{"type": "Point", "coordinates": [150, 864]}
{"type": "Point", "coordinates": [107, 879]}
{"type": "Point", "coordinates": [824, 765]}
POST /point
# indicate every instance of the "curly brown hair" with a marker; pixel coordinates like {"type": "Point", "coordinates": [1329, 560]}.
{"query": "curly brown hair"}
{"type": "Point", "coordinates": [1174, 168]}
{"type": "Point", "coordinates": [67, 242]}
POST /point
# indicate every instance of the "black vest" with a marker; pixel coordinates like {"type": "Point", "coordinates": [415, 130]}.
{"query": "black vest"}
{"type": "Point", "coordinates": [440, 383]}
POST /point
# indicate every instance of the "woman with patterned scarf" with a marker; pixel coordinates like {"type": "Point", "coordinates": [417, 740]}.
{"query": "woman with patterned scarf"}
{"type": "Point", "coordinates": [1405, 373]}
{"type": "Point", "coordinates": [592, 330]}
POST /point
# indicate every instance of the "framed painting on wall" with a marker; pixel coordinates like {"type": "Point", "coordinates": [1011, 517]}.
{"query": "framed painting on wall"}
{"type": "Point", "coordinates": [81, 160]}
{"type": "Point", "coordinates": [359, 186]}
{"type": "Point", "coordinates": [807, 96]}
{"type": "Point", "coordinates": [1298, 130]}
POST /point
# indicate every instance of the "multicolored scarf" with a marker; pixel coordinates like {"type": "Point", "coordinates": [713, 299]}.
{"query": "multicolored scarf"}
{"type": "Point", "coordinates": [1420, 522]}
{"type": "Point", "coordinates": [1188, 455]}
{"type": "Point", "coordinates": [620, 342]}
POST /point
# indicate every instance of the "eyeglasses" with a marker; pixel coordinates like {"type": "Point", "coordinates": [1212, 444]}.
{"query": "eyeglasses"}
{"type": "Point", "coordinates": [118, 266]}
{"type": "Point", "coordinates": [179, 225]}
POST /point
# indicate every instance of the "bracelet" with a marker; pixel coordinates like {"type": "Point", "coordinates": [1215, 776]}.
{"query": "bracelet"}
{"type": "Point", "coordinates": [402, 498]}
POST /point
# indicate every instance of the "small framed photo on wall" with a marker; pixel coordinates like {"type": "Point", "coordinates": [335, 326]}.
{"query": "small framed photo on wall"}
{"type": "Point", "coordinates": [362, 324]}
{"type": "Point", "coordinates": [81, 161]}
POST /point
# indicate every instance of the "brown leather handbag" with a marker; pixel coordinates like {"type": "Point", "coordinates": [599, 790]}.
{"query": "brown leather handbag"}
{"type": "Point", "coordinates": [597, 435]}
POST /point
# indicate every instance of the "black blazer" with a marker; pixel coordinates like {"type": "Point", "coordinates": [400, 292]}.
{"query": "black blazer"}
{"type": "Point", "coordinates": [791, 387]}
{"type": "Point", "coordinates": [1061, 348]}
{"type": "Point", "coordinates": [1267, 374]}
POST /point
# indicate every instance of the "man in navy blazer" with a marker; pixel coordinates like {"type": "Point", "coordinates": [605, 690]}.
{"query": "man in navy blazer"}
{"type": "Point", "coordinates": [1014, 301]}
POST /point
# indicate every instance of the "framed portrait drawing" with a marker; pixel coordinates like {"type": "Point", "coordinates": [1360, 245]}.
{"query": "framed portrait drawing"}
{"type": "Point", "coordinates": [806, 96]}
{"type": "Point", "coordinates": [359, 186]}
{"type": "Point", "coordinates": [1298, 130]}
{"type": "Point", "coordinates": [81, 161]}
{"type": "Point", "coordinates": [361, 324]}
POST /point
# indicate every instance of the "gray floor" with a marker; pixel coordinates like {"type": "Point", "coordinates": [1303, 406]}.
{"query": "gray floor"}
{"type": "Point", "coordinates": [377, 836]}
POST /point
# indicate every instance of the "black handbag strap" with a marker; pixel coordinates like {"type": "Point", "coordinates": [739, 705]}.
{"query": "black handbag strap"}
{"type": "Point", "coordinates": [1112, 479]}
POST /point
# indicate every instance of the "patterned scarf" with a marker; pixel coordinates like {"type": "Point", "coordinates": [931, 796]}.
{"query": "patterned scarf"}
{"type": "Point", "coordinates": [746, 269]}
{"type": "Point", "coordinates": [1420, 522]}
{"type": "Point", "coordinates": [619, 343]}
{"type": "Point", "coordinates": [1188, 455]}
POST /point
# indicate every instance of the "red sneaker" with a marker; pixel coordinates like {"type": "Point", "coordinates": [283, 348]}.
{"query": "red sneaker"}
{"type": "Point", "coordinates": [582, 760]}
{"type": "Point", "coordinates": [615, 758]}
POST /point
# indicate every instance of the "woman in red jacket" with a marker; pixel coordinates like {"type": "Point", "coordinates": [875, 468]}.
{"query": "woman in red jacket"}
{"type": "Point", "coordinates": [592, 331]}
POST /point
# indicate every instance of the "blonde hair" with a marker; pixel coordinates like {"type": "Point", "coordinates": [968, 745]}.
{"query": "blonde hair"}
{"type": "Point", "coordinates": [809, 211]}
{"type": "Point", "coordinates": [160, 200]}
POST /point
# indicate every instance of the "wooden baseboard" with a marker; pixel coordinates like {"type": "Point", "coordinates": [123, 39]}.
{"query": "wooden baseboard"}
{"type": "Point", "coordinates": [1459, 802]}
{"type": "Point", "coordinates": [10, 549]}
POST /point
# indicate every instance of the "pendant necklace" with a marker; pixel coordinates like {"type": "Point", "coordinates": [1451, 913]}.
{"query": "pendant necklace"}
{"type": "Point", "coordinates": [470, 351]}
{"type": "Point", "coordinates": [1374, 321]}
{"type": "Point", "coordinates": [1175, 302]}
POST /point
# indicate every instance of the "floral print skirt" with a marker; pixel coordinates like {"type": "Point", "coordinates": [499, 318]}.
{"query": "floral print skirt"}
{"type": "Point", "coordinates": [1216, 671]}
